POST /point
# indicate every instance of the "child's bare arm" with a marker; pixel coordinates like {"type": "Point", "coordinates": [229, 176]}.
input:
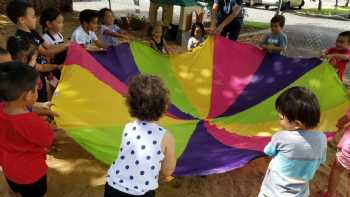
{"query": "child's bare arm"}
{"type": "Point", "coordinates": [169, 162]}
{"type": "Point", "coordinates": [272, 48]}
{"type": "Point", "coordinates": [117, 34]}
{"type": "Point", "coordinates": [100, 44]}
{"type": "Point", "coordinates": [166, 47]}
{"type": "Point", "coordinates": [343, 121]}
{"type": "Point", "coordinates": [47, 67]}
{"type": "Point", "coordinates": [48, 50]}
{"type": "Point", "coordinates": [339, 56]}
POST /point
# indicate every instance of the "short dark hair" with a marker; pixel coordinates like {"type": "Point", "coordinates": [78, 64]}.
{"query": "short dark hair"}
{"type": "Point", "coordinates": [299, 104]}
{"type": "Point", "coordinates": [48, 15]}
{"type": "Point", "coordinates": [280, 19]}
{"type": "Point", "coordinates": [16, 45]}
{"type": "Point", "coordinates": [345, 34]}
{"type": "Point", "coordinates": [194, 26]}
{"type": "Point", "coordinates": [16, 9]}
{"type": "Point", "coordinates": [87, 16]}
{"type": "Point", "coordinates": [3, 51]}
{"type": "Point", "coordinates": [147, 97]}
{"type": "Point", "coordinates": [15, 79]}
{"type": "Point", "coordinates": [102, 14]}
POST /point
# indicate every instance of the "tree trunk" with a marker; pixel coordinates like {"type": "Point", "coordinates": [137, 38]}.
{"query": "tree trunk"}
{"type": "Point", "coordinates": [336, 3]}
{"type": "Point", "coordinates": [319, 4]}
{"type": "Point", "coordinates": [347, 3]}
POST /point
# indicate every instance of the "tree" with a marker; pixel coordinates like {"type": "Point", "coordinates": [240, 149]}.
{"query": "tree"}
{"type": "Point", "coordinates": [347, 3]}
{"type": "Point", "coordinates": [319, 4]}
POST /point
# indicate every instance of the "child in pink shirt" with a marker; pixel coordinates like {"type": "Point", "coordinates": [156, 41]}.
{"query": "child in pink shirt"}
{"type": "Point", "coordinates": [342, 162]}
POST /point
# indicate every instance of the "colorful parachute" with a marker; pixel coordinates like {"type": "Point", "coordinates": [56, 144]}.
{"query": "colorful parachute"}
{"type": "Point", "coordinates": [222, 112]}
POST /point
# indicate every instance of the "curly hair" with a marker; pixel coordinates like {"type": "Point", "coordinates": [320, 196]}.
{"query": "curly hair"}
{"type": "Point", "coordinates": [147, 97]}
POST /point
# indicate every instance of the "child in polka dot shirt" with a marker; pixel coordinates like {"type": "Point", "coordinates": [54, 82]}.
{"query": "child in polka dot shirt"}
{"type": "Point", "coordinates": [147, 151]}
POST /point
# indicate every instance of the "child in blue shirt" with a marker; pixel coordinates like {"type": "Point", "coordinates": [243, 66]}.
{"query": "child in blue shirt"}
{"type": "Point", "coordinates": [297, 151]}
{"type": "Point", "coordinates": [276, 42]}
{"type": "Point", "coordinates": [110, 33]}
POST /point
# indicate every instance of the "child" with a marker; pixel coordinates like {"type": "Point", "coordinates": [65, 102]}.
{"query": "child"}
{"type": "Point", "coordinates": [26, 52]}
{"type": "Point", "coordinates": [342, 161]}
{"type": "Point", "coordinates": [339, 56]}
{"type": "Point", "coordinates": [147, 150]}
{"type": "Point", "coordinates": [24, 136]}
{"type": "Point", "coordinates": [52, 23]}
{"type": "Point", "coordinates": [85, 33]}
{"type": "Point", "coordinates": [157, 42]}
{"type": "Point", "coordinates": [109, 31]}
{"type": "Point", "coordinates": [197, 36]}
{"type": "Point", "coordinates": [276, 42]}
{"type": "Point", "coordinates": [298, 150]}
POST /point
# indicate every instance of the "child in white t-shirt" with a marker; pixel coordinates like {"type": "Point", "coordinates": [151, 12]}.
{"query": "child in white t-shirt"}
{"type": "Point", "coordinates": [197, 36]}
{"type": "Point", "coordinates": [85, 34]}
{"type": "Point", "coordinates": [110, 32]}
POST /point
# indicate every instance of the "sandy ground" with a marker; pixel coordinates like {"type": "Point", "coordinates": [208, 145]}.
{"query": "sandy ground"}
{"type": "Point", "coordinates": [75, 173]}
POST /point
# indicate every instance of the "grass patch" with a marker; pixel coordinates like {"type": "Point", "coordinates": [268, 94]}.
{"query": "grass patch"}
{"type": "Point", "coordinates": [250, 26]}
{"type": "Point", "coordinates": [255, 25]}
{"type": "Point", "coordinates": [329, 11]}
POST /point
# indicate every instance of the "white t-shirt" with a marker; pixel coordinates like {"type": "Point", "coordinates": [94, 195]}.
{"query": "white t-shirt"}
{"type": "Point", "coordinates": [193, 43]}
{"type": "Point", "coordinates": [54, 39]}
{"type": "Point", "coordinates": [136, 169]}
{"type": "Point", "coordinates": [80, 36]}
{"type": "Point", "coordinates": [107, 39]}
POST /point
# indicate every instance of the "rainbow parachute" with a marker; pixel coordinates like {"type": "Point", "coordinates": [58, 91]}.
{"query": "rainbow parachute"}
{"type": "Point", "coordinates": [222, 112]}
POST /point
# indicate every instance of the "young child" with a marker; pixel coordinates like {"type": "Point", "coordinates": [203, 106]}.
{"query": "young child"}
{"type": "Point", "coordinates": [276, 41]}
{"type": "Point", "coordinates": [339, 56]}
{"type": "Point", "coordinates": [147, 151]}
{"type": "Point", "coordinates": [110, 31]}
{"type": "Point", "coordinates": [342, 162]}
{"type": "Point", "coordinates": [52, 22]}
{"type": "Point", "coordinates": [157, 42]}
{"type": "Point", "coordinates": [26, 52]}
{"type": "Point", "coordinates": [197, 36]}
{"type": "Point", "coordinates": [85, 34]}
{"type": "Point", "coordinates": [24, 136]}
{"type": "Point", "coordinates": [298, 150]}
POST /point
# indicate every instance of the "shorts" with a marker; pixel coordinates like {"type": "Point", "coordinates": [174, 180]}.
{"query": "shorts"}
{"type": "Point", "coordinates": [111, 192]}
{"type": "Point", "coordinates": [36, 189]}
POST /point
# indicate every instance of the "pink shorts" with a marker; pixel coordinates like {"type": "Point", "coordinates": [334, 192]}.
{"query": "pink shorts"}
{"type": "Point", "coordinates": [343, 155]}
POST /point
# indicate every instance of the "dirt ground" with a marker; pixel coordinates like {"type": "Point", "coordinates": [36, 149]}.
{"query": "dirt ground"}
{"type": "Point", "coordinates": [75, 173]}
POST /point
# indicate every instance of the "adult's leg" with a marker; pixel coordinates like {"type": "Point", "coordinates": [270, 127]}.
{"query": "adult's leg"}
{"type": "Point", "coordinates": [235, 29]}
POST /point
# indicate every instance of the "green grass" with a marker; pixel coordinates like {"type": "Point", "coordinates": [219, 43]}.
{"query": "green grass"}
{"type": "Point", "coordinates": [255, 25]}
{"type": "Point", "coordinates": [329, 11]}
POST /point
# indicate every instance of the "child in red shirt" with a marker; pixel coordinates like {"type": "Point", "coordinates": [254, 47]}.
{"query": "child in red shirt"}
{"type": "Point", "coordinates": [24, 136]}
{"type": "Point", "coordinates": [339, 56]}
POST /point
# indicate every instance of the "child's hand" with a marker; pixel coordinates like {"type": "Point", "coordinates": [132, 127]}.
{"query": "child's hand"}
{"type": "Point", "coordinates": [342, 122]}
{"type": "Point", "coordinates": [329, 56]}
